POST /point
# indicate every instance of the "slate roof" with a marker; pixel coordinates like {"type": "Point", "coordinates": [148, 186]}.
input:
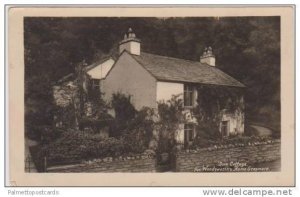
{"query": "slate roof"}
{"type": "Point", "coordinates": [179, 70]}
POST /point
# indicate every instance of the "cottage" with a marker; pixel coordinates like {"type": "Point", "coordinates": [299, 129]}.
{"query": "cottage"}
{"type": "Point", "coordinates": [150, 78]}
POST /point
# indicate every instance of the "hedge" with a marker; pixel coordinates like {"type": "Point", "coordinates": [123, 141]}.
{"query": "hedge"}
{"type": "Point", "coordinates": [75, 146]}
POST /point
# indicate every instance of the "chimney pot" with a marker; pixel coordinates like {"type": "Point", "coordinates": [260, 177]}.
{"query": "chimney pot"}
{"type": "Point", "coordinates": [130, 43]}
{"type": "Point", "coordinates": [208, 57]}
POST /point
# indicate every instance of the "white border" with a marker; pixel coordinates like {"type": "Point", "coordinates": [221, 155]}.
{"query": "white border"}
{"type": "Point", "coordinates": [133, 191]}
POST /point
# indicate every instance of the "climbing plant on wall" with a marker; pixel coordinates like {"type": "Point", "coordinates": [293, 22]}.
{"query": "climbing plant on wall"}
{"type": "Point", "coordinates": [212, 102]}
{"type": "Point", "coordinates": [170, 116]}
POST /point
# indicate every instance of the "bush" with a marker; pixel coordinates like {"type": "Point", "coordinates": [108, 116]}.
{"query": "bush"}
{"type": "Point", "coordinates": [141, 127]}
{"type": "Point", "coordinates": [74, 146]}
{"type": "Point", "coordinates": [123, 108]}
{"type": "Point", "coordinates": [95, 124]}
{"type": "Point", "coordinates": [208, 131]}
{"type": "Point", "coordinates": [48, 134]}
{"type": "Point", "coordinates": [124, 113]}
{"type": "Point", "coordinates": [170, 115]}
{"type": "Point", "coordinates": [43, 133]}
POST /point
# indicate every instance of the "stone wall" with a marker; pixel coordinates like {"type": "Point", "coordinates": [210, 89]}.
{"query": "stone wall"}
{"type": "Point", "coordinates": [241, 157]}
{"type": "Point", "coordinates": [140, 163]}
{"type": "Point", "coordinates": [249, 155]}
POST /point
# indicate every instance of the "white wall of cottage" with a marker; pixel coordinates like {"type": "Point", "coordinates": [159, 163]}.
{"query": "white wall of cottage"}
{"type": "Point", "coordinates": [165, 90]}
{"type": "Point", "coordinates": [101, 70]}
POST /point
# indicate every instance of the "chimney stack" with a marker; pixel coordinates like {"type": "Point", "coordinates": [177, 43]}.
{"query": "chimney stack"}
{"type": "Point", "coordinates": [130, 43]}
{"type": "Point", "coordinates": [208, 57]}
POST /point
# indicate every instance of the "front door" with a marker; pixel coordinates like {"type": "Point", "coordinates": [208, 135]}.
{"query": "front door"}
{"type": "Point", "coordinates": [188, 135]}
{"type": "Point", "coordinates": [225, 128]}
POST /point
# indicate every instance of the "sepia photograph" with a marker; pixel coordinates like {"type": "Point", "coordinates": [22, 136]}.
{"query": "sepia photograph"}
{"type": "Point", "coordinates": [152, 94]}
{"type": "Point", "coordinates": [161, 95]}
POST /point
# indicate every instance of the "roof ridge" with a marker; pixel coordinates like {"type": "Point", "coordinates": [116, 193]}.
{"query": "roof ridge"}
{"type": "Point", "coordinates": [176, 58]}
{"type": "Point", "coordinates": [203, 64]}
{"type": "Point", "coordinates": [168, 57]}
{"type": "Point", "coordinates": [179, 74]}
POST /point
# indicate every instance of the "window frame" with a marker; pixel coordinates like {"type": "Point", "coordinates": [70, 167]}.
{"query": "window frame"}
{"type": "Point", "coordinates": [94, 84]}
{"type": "Point", "coordinates": [188, 95]}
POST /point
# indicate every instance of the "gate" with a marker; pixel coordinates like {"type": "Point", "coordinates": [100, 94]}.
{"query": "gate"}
{"type": "Point", "coordinates": [166, 161]}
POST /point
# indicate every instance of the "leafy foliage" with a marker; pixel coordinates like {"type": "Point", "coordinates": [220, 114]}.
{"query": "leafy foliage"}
{"type": "Point", "coordinates": [95, 124]}
{"type": "Point", "coordinates": [73, 146]}
{"type": "Point", "coordinates": [131, 125]}
{"type": "Point", "coordinates": [170, 115]}
{"type": "Point", "coordinates": [124, 113]}
{"type": "Point", "coordinates": [124, 110]}
{"type": "Point", "coordinates": [212, 103]}
{"type": "Point", "coordinates": [140, 128]}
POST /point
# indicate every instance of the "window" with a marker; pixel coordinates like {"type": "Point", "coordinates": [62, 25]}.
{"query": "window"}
{"type": "Point", "coordinates": [95, 83]}
{"type": "Point", "coordinates": [188, 96]}
{"type": "Point", "coordinates": [188, 134]}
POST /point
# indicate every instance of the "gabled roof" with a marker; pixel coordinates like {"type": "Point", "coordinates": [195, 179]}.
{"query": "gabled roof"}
{"type": "Point", "coordinates": [178, 70]}
{"type": "Point", "coordinates": [97, 63]}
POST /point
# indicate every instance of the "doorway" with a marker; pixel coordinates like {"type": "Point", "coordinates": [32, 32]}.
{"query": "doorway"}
{"type": "Point", "coordinates": [225, 128]}
{"type": "Point", "coordinates": [189, 134]}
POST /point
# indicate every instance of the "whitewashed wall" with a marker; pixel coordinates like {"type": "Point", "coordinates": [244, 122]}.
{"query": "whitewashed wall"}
{"type": "Point", "coordinates": [101, 70]}
{"type": "Point", "coordinates": [179, 135]}
{"type": "Point", "coordinates": [236, 122]}
{"type": "Point", "coordinates": [130, 78]}
{"type": "Point", "coordinates": [165, 90]}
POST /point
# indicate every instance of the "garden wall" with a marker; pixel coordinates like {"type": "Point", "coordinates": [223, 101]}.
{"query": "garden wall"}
{"type": "Point", "coordinates": [139, 163]}
{"type": "Point", "coordinates": [227, 156]}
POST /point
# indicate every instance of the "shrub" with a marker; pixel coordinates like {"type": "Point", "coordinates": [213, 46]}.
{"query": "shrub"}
{"type": "Point", "coordinates": [208, 131]}
{"type": "Point", "coordinates": [123, 108]}
{"type": "Point", "coordinates": [48, 134]}
{"type": "Point", "coordinates": [66, 115]}
{"type": "Point", "coordinates": [170, 115]}
{"type": "Point", "coordinates": [141, 127]}
{"type": "Point", "coordinates": [74, 146]}
{"type": "Point", "coordinates": [44, 133]}
{"type": "Point", "coordinates": [124, 113]}
{"type": "Point", "coordinates": [95, 124]}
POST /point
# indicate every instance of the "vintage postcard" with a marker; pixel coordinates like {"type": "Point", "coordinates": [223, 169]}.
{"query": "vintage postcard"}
{"type": "Point", "coordinates": [165, 96]}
